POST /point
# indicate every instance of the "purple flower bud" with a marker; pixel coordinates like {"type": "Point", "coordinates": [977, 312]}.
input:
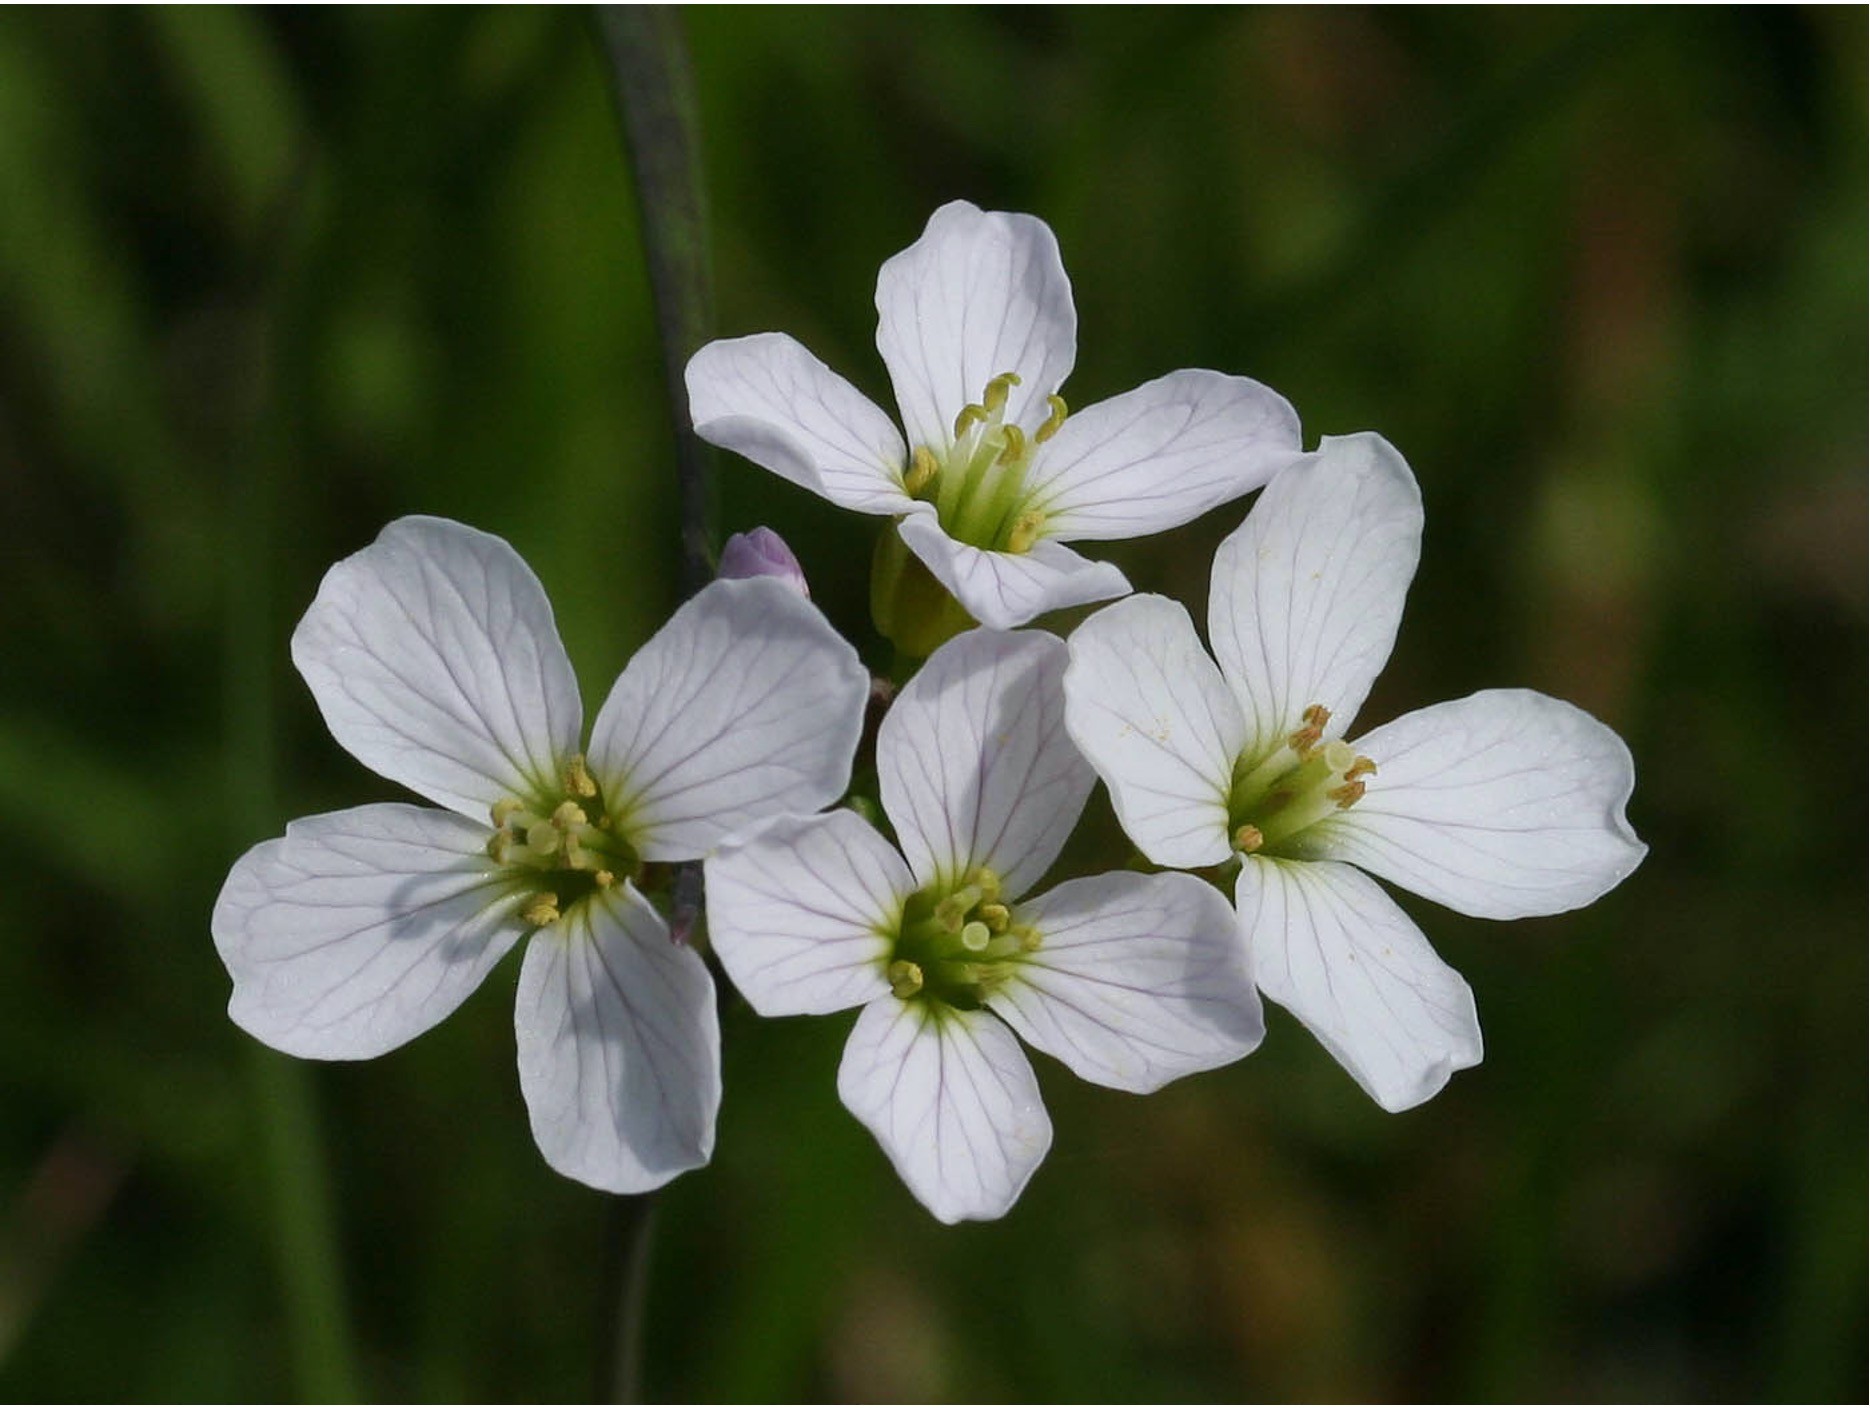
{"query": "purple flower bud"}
{"type": "Point", "coordinates": [762, 553]}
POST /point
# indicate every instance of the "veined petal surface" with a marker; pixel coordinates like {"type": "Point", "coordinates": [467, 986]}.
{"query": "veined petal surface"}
{"type": "Point", "coordinates": [1158, 456]}
{"type": "Point", "coordinates": [359, 930]}
{"type": "Point", "coordinates": [980, 293]}
{"type": "Point", "coordinates": [1139, 979]}
{"type": "Point", "coordinates": [619, 1048]}
{"type": "Point", "coordinates": [746, 705]}
{"type": "Point", "coordinates": [1308, 592]}
{"type": "Point", "coordinates": [1335, 951]}
{"type": "Point", "coordinates": [1505, 804]}
{"type": "Point", "coordinates": [974, 762]}
{"type": "Point", "coordinates": [1005, 590]}
{"type": "Point", "coordinates": [435, 661]}
{"type": "Point", "coordinates": [1151, 712]}
{"type": "Point", "coordinates": [952, 1100]}
{"type": "Point", "coordinates": [767, 398]}
{"type": "Point", "coordinates": [801, 912]}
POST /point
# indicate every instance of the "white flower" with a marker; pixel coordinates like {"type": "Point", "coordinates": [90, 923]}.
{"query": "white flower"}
{"type": "Point", "coordinates": [977, 329]}
{"type": "Point", "coordinates": [1130, 980]}
{"type": "Point", "coordinates": [1504, 804]}
{"type": "Point", "coordinates": [434, 659]}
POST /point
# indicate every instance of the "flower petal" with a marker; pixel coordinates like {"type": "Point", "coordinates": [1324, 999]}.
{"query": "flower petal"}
{"type": "Point", "coordinates": [359, 930]}
{"type": "Point", "coordinates": [746, 705]}
{"type": "Point", "coordinates": [981, 293]}
{"type": "Point", "coordinates": [1151, 712]}
{"type": "Point", "coordinates": [1160, 455]}
{"type": "Point", "coordinates": [619, 1048]}
{"type": "Point", "coordinates": [952, 1100]}
{"type": "Point", "coordinates": [435, 661]}
{"type": "Point", "coordinates": [1332, 949]}
{"type": "Point", "coordinates": [1308, 592]}
{"type": "Point", "coordinates": [1008, 589]}
{"type": "Point", "coordinates": [1138, 979]}
{"type": "Point", "coordinates": [767, 398]}
{"type": "Point", "coordinates": [975, 765]}
{"type": "Point", "coordinates": [801, 912]}
{"type": "Point", "coordinates": [1505, 804]}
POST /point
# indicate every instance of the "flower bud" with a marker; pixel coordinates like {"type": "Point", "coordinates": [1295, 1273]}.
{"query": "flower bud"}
{"type": "Point", "coordinates": [762, 553]}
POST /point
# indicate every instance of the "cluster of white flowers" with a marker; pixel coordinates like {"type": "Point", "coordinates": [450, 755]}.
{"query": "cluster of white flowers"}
{"type": "Point", "coordinates": [434, 658]}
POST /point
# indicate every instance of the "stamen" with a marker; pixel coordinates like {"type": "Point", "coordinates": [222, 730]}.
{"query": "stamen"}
{"type": "Point", "coordinates": [1029, 937]}
{"type": "Point", "coordinates": [504, 809]}
{"type": "Point", "coordinates": [1347, 795]}
{"type": "Point", "coordinates": [1026, 529]}
{"type": "Point", "coordinates": [1304, 740]}
{"type": "Point", "coordinates": [1363, 767]}
{"type": "Point", "coordinates": [975, 936]}
{"type": "Point", "coordinates": [905, 978]}
{"type": "Point", "coordinates": [604, 879]}
{"type": "Point", "coordinates": [578, 779]}
{"type": "Point", "coordinates": [987, 881]}
{"type": "Point", "coordinates": [923, 467]}
{"type": "Point", "coordinates": [1014, 450]}
{"type": "Point", "coordinates": [995, 917]}
{"type": "Point", "coordinates": [497, 846]}
{"type": "Point", "coordinates": [970, 415]}
{"type": "Point", "coordinates": [1248, 839]}
{"type": "Point", "coordinates": [541, 909]}
{"type": "Point", "coordinates": [1052, 422]}
{"type": "Point", "coordinates": [568, 815]}
{"type": "Point", "coordinates": [995, 394]}
{"type": "Point", "coordinates": [951, 913]}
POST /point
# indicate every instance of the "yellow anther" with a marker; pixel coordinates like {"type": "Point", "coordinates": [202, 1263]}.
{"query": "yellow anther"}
{"type": "Point", "coordinates": [1013, 450]}
{"type": "Point", "coordinates": [1052, 422]}
{"type": "Point", "coordinates": [504, 810]}
{"type": "Point", "coordinates": [995, 916]}
{"type": "Point", "coordinates": [997, 389]}
{"type": "Point", "coordinates": [1029, 938]}
{"type": "Point", "coordinates": [905, 978]}
{"type": "Point", "coordinates": [567, 815]}
{"type": "Point", "coordinates": [970, 414]}
{"type": "Point", "coordinates": [604, 879]}
{"type": "Point", "coordinates": [544, 837]}
{"type": "Point", "coordinates": [497, 846]}
{"type": "Point", "coordinates": [1248, 839]}
{"type": "Point", "coordinates": [952, 912]}
{"type": "Point", "coordinates": [987, 882]}
{"type": "Point", "coordinates": [923, 467]}
{"type": "Point", "coordinates": [578, 780]}
{"type": "Point", "coordinates": [1363, 767]}
{"type": "Point", "coordinates": [975, 936]}
{"type": "Point", "coordinates": [1347, 795]}
{"type": "Point", "coordinates": [541, 909]}
{"type": "Point", "coordinates": [1317, 716]}
{"type": "Point", "coordinates": [1026, 530]}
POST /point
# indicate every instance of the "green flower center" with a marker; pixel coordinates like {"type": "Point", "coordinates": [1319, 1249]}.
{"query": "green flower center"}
{"type": "Point", "coordinates": [561, 847]}
{"type": "Point", "coordinates": [1303, 781]}
{"type": "Point", "coordinates": [955, 945]}
{"type": "Point", "coordinates": [978, 484]}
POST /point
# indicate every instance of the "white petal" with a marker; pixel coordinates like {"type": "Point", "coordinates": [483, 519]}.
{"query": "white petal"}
{"type": "Point", "coordinates": [769, 399]}
{"type": "Point", "coordinates": [746, 705]}
{"type": "Point", "coordinates": [1008, 589]}
{"type": "Point", "coordinates": [434, 659]}
{"type": "Point", "coordinates": [952, 1100]}
{"type": "Point", "coordinates": [981, 293]}
{"type": "Point", "coordinates": [1332, 949]}
{"type": "Point", "coordinates": [619, 1048]}
{"type": "Point", "coordinates": [975, 765]}
{"type": "Point", "coordinates": [1138, 979]}
{"type": "Point", "coordinates": [1504, 804]}
{"type": "Point", "coordinates": [1155, 457]}
{"type": "Point", "coordinates": [1150, 710]}
{"type": "Point", "coordinates": [359, 930]}
{"type": "Point", "coordinates": [1308, 592]}
{"type": "Point", "coordinates": [801, 913]}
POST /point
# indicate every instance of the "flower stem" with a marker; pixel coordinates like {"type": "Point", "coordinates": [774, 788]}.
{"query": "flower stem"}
{"type": "Point", "coordinates": [656, 101]}
{"type": "Point", "coordinates": [655, 96]}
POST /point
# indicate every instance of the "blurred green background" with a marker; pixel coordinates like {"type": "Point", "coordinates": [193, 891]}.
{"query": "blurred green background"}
{"type": "Point", "coordinates": [268, 280]}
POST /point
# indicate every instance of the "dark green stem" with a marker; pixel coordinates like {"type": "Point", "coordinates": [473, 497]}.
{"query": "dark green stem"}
{"type": "Point", "coordinates": [655, 98]}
